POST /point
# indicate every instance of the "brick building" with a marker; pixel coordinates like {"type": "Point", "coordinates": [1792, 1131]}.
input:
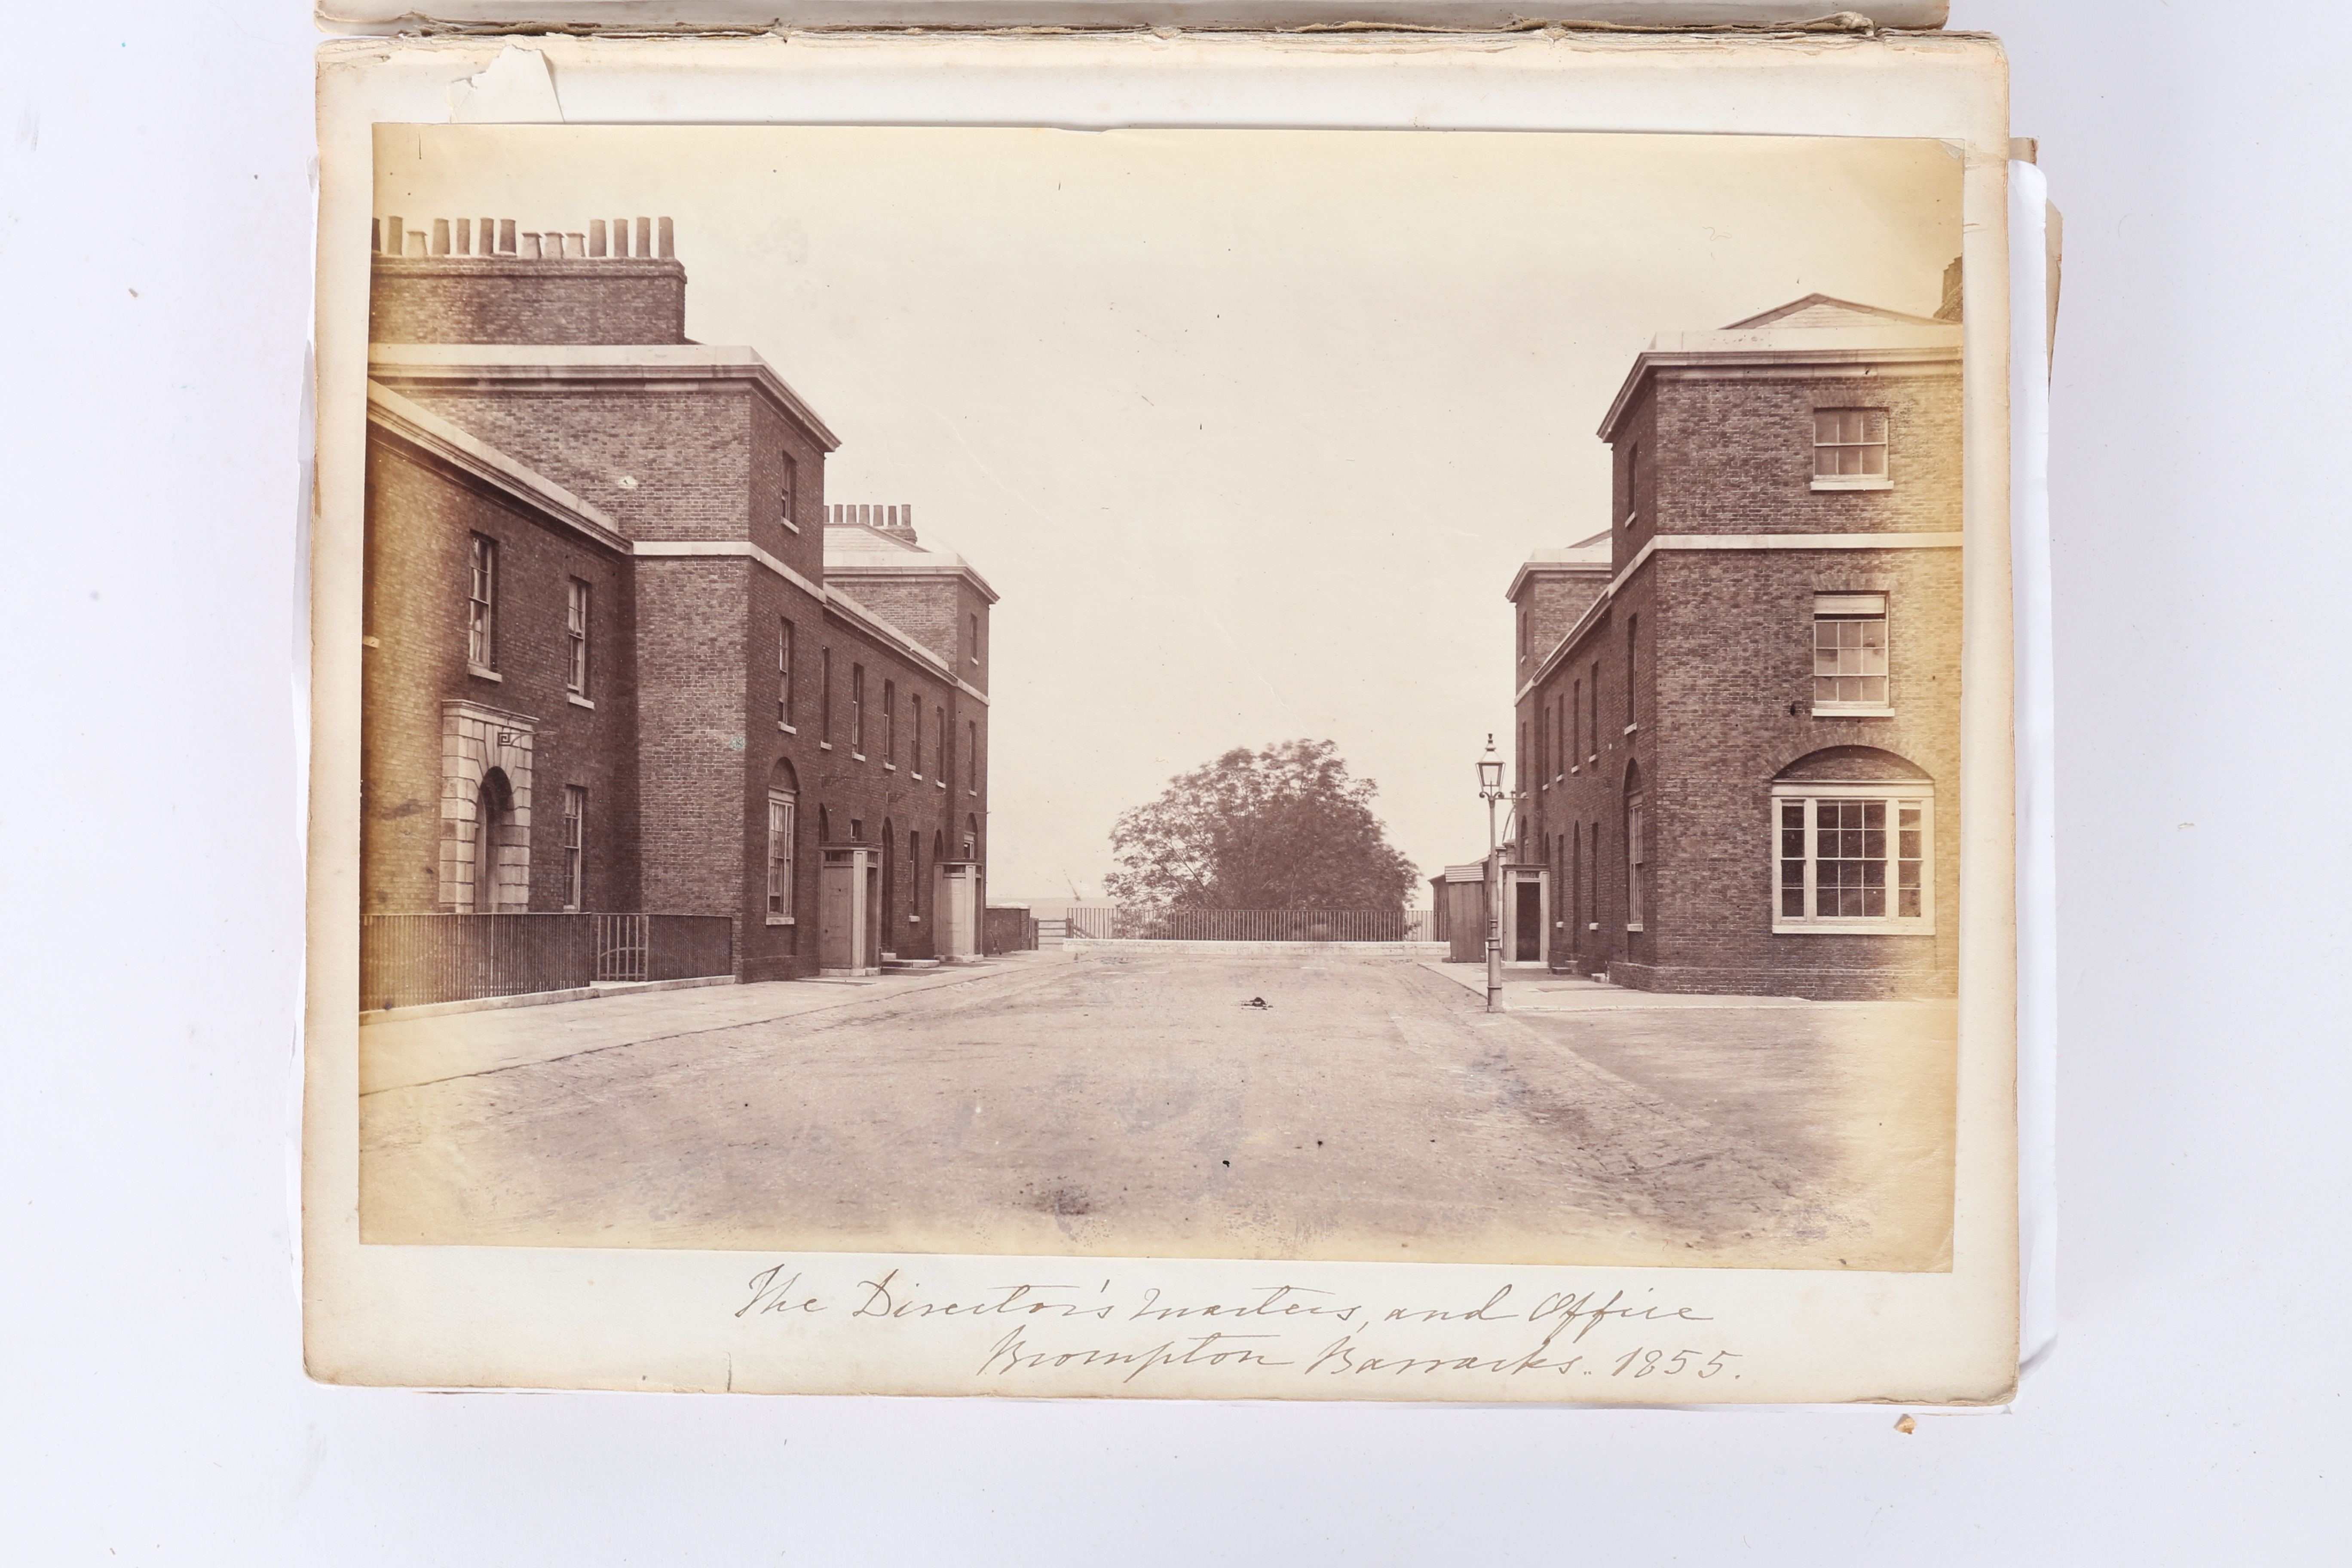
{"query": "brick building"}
{"type": "Point", "coordinates": [622, 655]}
{"type": "Point", "coordinates": [1738, 706]}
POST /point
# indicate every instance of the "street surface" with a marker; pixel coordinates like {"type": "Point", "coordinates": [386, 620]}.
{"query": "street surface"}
{"type": "Point", "coordinates": [1131, 1103]}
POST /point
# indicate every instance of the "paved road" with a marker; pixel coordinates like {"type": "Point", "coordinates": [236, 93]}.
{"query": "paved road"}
{"type": "Point", "coordinates": [1125, 1105]}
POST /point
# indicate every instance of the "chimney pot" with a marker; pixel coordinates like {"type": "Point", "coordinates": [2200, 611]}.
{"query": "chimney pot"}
{"type": "Point", "coordinates": [507, 236]}
{"type": "Point", "coordinates": [619, 236]}
{"type": "Point", "coordinates": [416, 242]}
{"type": "Point", "coordinates": [375, 233]}
{"type": "Point", "coordinates": [669, 240]}
{"type": "Point", "coordinates": [490, 227]}
{"type": "Point", "coordinates": [576, 246]}
{"type": "Point", "coordinates": [395, 236]}
{"type": "Point", "coordinates": [440, 237]}
{"type": "Point", "coordinates": [465, 236]}
{"type": "Point", "coordinates": [645, 236]}
{"type": "Point", "coordinates": [596, 237]}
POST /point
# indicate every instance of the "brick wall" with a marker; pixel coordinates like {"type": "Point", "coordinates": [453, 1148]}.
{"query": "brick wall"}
{"type": "Point", "coordinates": [693, 638]}
{"type": "Point", "coordinates": [840, 788]}
{"type": "Point", "coordinates": [420, 519]}
{"type": "Point", "coordinates": [1737, 635]}
{"type": "Point", "coordinates": [689, 451]}
{"type": "Point", "coordinates": [771, 439]}
{"type": "Point", "coordinates": [1736, 455]}
{"type": "Point", "coordinates": [473, 300]}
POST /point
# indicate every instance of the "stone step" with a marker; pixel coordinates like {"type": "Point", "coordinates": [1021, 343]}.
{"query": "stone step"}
{"type": "Point", "coordinates": [908, 965]}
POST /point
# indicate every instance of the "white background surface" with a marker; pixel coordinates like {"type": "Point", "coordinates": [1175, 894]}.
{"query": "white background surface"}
{"type": "Point", "coordinates": [2192, 1410]}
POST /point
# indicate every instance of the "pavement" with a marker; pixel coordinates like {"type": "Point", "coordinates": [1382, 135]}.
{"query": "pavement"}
{"type": "Point", "coordinates": [1151, 1104]}
{"type": "Point", "coordinates": [406, 1052]}
{"type": "Point", "coordinates": [1541, 991]}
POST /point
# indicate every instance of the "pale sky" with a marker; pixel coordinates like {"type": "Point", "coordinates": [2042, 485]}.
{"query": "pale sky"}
{"type": "Point", "coordinates": [1249, 429]}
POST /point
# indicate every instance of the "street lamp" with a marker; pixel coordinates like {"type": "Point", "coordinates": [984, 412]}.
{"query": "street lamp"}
{"type": "Point", "coordinates": [1490, 790]}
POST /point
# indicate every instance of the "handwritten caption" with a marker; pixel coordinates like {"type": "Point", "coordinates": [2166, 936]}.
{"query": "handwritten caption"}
{"type": "Point", "coordinates": [1031, 1328]}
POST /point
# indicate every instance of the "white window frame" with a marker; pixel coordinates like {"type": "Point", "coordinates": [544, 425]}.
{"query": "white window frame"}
{"type": "Point", "coordinates": [783, 811]}
{"type": "Point", "coordinates": [577, 603]}
{"type": "Point", "coordinates": [482, 604]}
{"type": "Point", "coordinates": [1894, 794]}
{"type": "Point", "coordinates": [1874, 425]}
{"type": "Point", "coordinates": [575, 840]}
{"type": "Point", "coordinates": [786, 711]}
{"type": "Point", "coordinates": [1832, 709]}
{"type": "Point", "coordinates": [1637, 861]}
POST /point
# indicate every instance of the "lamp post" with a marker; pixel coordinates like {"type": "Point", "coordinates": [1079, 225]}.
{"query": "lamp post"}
{"type": "Point", "coordinates": [1490, 790]}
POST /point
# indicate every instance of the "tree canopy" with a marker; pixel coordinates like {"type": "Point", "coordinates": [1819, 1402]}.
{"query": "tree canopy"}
{"type": "Point", "coordinates": [1280, 829]}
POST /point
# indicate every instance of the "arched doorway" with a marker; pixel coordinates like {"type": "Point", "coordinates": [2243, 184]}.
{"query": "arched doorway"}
{"type": "Point", "coordinates": [493, 820]}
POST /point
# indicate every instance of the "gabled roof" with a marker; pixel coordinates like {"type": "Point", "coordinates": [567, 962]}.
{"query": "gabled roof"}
{"type": "Point", "coordinates": [1821, 310]}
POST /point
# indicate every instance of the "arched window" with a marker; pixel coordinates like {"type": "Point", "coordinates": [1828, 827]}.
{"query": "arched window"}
{"type": "Point", "coordinates": [1853, 843]}
{"type": "Point", "coordinates": [783, 811]}
{"type": "Point", "coordinates": [971, 838]}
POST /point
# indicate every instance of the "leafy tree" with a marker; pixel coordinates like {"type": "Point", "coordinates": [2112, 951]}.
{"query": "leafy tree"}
{"type": "Point", "coordinates": [1281, 828]}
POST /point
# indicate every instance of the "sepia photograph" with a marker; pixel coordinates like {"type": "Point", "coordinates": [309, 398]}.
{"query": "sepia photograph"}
{"type": "Point", "coordinates": [1215, 694]}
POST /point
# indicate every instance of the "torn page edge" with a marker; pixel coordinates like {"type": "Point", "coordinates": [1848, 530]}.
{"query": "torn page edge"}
{"type": "Point", "coordinates": [1167, 19]}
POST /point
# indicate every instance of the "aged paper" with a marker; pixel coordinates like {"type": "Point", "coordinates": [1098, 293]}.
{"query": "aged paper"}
{"type": "Point", "coordinates": [1693, 1158]}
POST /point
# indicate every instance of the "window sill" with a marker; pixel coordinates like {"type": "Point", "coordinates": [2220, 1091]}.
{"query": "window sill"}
{"type": "Point", "coordinates": [578, 701]}
{"type": "Point", "coordinates": [787, 729]}
{"type": "Point", "coordinates": [1635, 927]}
{"type": "Point", "coordinates": [781, 920]}
{"type": "Point", "coordinates": [1630, 729]}
{"type": "Point", "coordinates": [916, 777]}
{"type": "Point", "coordinates": [886, 767]}
{"type": "Point", "coordinates": [1852, 482]}
{"type": "Point", "coordinates": [483, 672]}
{"type": "Point", "coordinates": [1853, 712]}
{"type": "Point", "coordinates": [856, 756]}
{"type": "Point", "coordinates": [1592, 925]}
{"type": "Point", "coordinates": [790, 526]}
{"type": "Point", "coordinates": [941, 782]}
{"type": "Point", "coordinates": [1859, 925]}
{"type": "Point", "coordinates": [825, 745]}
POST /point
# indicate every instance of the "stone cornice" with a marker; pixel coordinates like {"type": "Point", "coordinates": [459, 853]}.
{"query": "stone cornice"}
{"type": "Point", "coordinates": [684, 366]}
{"type": "Point", "coordinates": [431, 434]}
{"type": "Point", "coordinates": [941, 564]}
{"type": "Point", "coordinates": [738, 549]}
{"type": "Point", "coordinates": [1584, 623]}
{"type": "Point", "coordinates": [1785, 361]}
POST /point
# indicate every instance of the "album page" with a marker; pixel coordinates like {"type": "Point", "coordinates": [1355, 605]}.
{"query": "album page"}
{"type": "Point", "coordinates": [1206, 717]}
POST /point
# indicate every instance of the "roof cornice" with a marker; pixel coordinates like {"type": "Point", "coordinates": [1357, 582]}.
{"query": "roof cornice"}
{"type": "Point", "coordinates": [1552, 568]}
{"type": "Point", "coordinates": [605, 363]}
{"type": "Point", "coordinates": [1651, 360]}
{"type": "Point", "coordinates": [941, 564]}
{"type": "Point", "coordinates": [429, 433]}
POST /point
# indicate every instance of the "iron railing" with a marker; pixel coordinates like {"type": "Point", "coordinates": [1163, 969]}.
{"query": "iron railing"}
{"type": "Point", "coordinates": [1253, 925]}
{"type": "Point", "coordinates": [408, 960]}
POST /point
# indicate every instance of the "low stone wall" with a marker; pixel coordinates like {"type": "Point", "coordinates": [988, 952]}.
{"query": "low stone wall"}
{"type": "Point", "coordinates": [1416, 951]}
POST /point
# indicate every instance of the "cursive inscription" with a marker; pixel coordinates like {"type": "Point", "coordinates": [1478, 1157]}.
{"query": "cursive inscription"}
{"type": "Point", "coordinates": [1284, 1329]}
